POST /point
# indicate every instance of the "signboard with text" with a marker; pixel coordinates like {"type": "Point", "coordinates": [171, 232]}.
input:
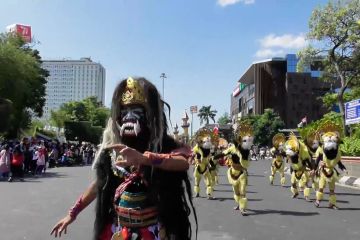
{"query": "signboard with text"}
{"type": "Point", "coordinates": [193, 109]}
{"type": "Point", "coordinates": [22, 30]}
{"type": "Point", "coordinates": [352, 112]}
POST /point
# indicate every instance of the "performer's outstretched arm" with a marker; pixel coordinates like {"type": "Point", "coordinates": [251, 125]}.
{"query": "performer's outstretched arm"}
{"type": "Point", "coordinates": [85, 199]}
{"type": "Point", "coordinates": [174, 161]}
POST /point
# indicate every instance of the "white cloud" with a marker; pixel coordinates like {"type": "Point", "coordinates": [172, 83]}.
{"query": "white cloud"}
{"type": "Point", "coordinates": [268, 53]}
{"type": "Point", "coordinates": [225, 3]}
{"type": "Point", "coordinates": [286, 41]}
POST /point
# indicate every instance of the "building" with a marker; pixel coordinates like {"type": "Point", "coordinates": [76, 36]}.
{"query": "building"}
{"type": "Point", "coordinates": [72, 80]}
{"type": "Point", "coordinates": [275, 83]}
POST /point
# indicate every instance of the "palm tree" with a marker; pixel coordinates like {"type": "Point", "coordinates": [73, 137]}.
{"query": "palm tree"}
{"type": "Point", "coordinates": [205, 113]}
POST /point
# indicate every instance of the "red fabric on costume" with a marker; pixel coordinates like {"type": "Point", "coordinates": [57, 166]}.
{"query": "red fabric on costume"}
{"type": "Point", "coordinates": [107, 233]}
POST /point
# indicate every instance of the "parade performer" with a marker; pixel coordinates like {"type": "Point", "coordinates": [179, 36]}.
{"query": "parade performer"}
{"type": "Point", "coordinates": [327, 157]}
{"type": "Point", "coordinates": [312, 142]}
{"type": "Point", "coordinates": [213, 168]}
{"type": "Point", "coordinates": [205, 140]}
{"type": "Point", "coordinates": [299, 158]}
{"type": "Point", "coordinates": [239, 157]}
{"type": "Point", "coordinates": [140, 172]}
{"type": "Point", "coordinates": [277, 152]}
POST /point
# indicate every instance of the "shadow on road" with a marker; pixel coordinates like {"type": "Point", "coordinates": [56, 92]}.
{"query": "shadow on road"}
{"type": "Point", "coordinates": [281, 212]}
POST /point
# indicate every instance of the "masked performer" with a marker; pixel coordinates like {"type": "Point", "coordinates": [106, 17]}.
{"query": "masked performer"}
{"type": "Point", "coordinates": [202, 152]}
{"type": "Point", "coordinates": [299, 158]}
{"type": "Point", "coordinates": [278, 154]}
{"type": "Point", "coordinates": [312, 142]}
{"type": "Point", "coordinates": [327, 157]}
{"type": "Point", "coordinates": [140, 172]}
{"type": "Point", "coordinates": [239, 157]}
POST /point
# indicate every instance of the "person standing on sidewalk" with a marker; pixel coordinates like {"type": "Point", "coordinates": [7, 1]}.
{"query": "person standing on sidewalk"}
{"type": "Point", "coordinates": [17, 164]}
{"type": "Point", "coordinates": [5, 161]}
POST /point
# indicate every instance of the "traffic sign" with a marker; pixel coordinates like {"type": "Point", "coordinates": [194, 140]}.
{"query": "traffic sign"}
{"type": "Point", "coordinates": [352, 112]}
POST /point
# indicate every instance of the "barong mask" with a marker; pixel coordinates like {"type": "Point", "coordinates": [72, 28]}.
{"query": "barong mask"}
{"type": "Point", "coordinates": [137, 114]}
{"type": "Point", "coordinates": [312, 141]}
{"type": "Point", "coordinates": [278, 141]}
{"type": "Point", "coordinates": [292, 146]}
{"type": "Point", "coordinates": [245, 136]}
{"type": "Point", "coordinates": [330, 136]}
{"type": "Point", "coordinates": [205, 138]}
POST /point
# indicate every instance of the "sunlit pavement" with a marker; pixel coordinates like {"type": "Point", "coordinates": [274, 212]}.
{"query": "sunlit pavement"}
{"type": "Point", "coordinates": [30, 209]}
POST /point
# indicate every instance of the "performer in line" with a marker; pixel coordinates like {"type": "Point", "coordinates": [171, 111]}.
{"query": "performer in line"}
{"type": "Point", "coordinates": [312, 142]}
{"type": "Point", "coordinates": [140, 172]}
{"type": "Point", "coordinates": [299, 158]}
{"type": "Point", "coordinates": [327, 157]}
{"type": "Point", "coordinates": [205, 140]}
{"type": "Point", "coordinates": [277, 152]}
{"type": "Point", "coordinates": [239, 156]}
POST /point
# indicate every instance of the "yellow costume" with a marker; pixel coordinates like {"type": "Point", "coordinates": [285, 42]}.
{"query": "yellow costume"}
{"type": "Point", "coordinates": [299, 158]}
{"type": "Point", "coordinates": [205, 140]}
{"type": "Point", "coordinates": [238, 158]}
{"type": "Point", "coordinates": [312, 142]}
{"type": "Point", "coordinates": [330, 156]}
{"type": "Point", "coordinates": [277, 153]}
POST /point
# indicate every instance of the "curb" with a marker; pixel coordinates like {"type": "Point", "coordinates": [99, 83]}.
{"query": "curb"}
{"type": "Point", "coordinates": [344, 181]}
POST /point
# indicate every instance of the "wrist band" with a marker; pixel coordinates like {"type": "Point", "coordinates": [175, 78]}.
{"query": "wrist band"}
{"type": "Point", "coordinates": [77, 208]}
{"type": "Point", "coordinates": [156, 158]}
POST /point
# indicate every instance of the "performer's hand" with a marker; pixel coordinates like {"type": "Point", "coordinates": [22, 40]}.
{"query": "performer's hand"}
{"type": "Point", "coordinates": [61, 226]}
{"type": "Point", "coordinates": [129, 156]}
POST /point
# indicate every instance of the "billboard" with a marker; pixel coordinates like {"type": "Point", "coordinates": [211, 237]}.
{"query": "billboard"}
{"type": "Point", "coordinates": [352, 112]}
{"type": "Point", "coordinates": [22, 30]}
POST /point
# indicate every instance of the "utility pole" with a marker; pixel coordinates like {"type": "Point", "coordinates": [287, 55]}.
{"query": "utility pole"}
{"type": "Point", "coordinates": [163, 76]}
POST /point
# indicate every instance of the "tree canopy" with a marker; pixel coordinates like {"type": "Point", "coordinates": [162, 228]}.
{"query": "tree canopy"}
{"type": "Point", "coordinates": [224, 119]}
{"type": "Point", "coordinates": [88, 109]}
{"type": "Point", "coordinates": [334, 34]}
{"type": "Point", "coordinates": [22, 81]}
{"type": "Point", "coordinates": [206, 113]}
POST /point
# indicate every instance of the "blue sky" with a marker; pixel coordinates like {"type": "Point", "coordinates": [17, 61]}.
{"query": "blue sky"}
{"type": "Point", "coordinates": [203, 46]}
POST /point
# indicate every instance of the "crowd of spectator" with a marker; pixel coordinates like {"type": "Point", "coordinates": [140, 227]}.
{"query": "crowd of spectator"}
{"type": "Point", "coordinates": [32, 157]}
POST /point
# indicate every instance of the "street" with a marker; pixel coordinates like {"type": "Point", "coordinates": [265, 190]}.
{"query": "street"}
{"type": "Point", "coordinates": [30, 209]}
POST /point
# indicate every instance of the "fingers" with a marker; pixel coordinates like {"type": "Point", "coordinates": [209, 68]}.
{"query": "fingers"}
{"type": "Point", "coordinates": [122, 163]}
{"type": "Point", "coordinates": [56, 229]}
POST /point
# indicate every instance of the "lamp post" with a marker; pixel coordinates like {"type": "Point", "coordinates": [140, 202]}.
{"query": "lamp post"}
{"type": "Point", "coordinates": [163, 76]}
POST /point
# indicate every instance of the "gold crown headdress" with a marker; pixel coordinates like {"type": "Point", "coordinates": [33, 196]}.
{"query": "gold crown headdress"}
{"type": "Point", "coordinates": [330, 127]}
{"type": "Point", "coordinates": [205, 132]}
{"type": "Point", "coordinates": [133, 93]}
{"type": "Point", "coordinates": [243, 130]}
{"type": "Point", "coordinates": [277, 139]}
{"type": "Point", "coordinates": [293, 142]}
{"type": "Point", "coordinates": [311, 137]}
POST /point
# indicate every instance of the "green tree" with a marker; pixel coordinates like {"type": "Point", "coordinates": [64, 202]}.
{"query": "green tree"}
{"type": "Point", "coordinates": [335, 36]}
{"type": "Point", "coordinates": [22, 81]}
{"type": "Point", "coordinates": [224, 119]}
{"type": "Point", "coordinates": [89, 109]}
{"type": "Point", "coordinates": [266, 126]}
{"type": "Point", "coordinates": [205, 113]}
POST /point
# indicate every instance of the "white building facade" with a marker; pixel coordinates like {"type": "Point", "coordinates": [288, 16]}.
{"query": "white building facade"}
{"type": "Point", "coordinates": [72, 80]}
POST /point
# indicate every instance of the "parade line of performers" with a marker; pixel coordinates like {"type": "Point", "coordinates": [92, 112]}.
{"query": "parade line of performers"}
{"type": "Point", "coordinates": [142, 189]}
{"type": "Point", "coordinates": [312, 162]}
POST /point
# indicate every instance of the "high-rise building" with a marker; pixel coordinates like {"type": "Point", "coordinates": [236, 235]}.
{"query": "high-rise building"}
{"type": "Point", "coordinates": [72, 80]}
{"type": "Point", "coordinates": [275, 83]}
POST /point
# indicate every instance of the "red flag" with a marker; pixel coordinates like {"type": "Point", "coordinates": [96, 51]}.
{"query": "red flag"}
{"type": "Point", "coordinates": [216, 130]}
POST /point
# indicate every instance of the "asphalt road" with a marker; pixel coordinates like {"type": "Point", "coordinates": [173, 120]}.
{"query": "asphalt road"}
{"type": "Point", "coordinates": [30, 209]}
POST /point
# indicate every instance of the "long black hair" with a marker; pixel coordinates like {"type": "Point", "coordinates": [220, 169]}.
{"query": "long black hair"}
{"type": "Point", "coordinates": [169, 190]}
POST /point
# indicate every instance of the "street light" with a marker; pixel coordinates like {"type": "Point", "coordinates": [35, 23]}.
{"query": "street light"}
{"type": "Point", "coordinates": [163, 76]}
